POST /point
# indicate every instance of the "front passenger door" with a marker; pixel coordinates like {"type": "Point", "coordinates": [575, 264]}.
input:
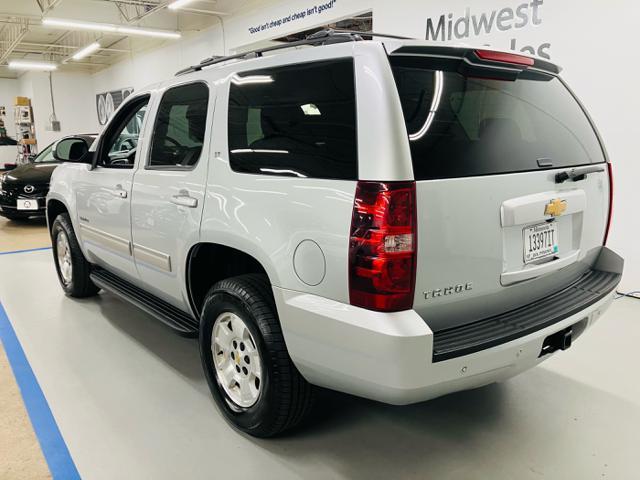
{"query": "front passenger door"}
{"type": "Point", "coordinates": [103, 194]}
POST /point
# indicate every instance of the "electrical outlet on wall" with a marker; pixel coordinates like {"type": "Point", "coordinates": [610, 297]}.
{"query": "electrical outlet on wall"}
{"type": "Point", "coordinates": [53, 126]}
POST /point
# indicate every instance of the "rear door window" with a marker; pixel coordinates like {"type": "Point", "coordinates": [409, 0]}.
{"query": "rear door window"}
{"type": "Point", "coordinates": [462, 126]}
{"type": "Point", "coordinates": [180, 127]}
{"type": "Point", "coordinates": [297, 120]}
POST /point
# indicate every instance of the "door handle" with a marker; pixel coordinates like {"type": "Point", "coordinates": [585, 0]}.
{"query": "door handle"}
{"type": "Point", "coordinates": [184, 201]}
{"type": "Point", "coordinates": [118, 192]}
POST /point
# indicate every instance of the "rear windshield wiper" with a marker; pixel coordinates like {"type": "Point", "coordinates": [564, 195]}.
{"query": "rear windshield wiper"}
{"type": "Point", "coordinates": [577, 174]}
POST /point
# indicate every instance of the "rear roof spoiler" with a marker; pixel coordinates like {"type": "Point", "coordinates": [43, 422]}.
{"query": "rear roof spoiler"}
{"type": "Point", "coordinates": [480, 56]}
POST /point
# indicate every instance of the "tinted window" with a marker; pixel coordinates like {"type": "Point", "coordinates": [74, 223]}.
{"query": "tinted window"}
{"type": "Point", "coordinates": [180, 127]}
{"type": "Point", "coordinates": [123, 147]}
{"type": "Point", "coordinates": [45, 156]}
{"type": "Point", "coordinates": [461, 126]}
{"type": "Point", "coordinates": [121, 140]}
{"type": "Point", "coordinates": [297, 120]}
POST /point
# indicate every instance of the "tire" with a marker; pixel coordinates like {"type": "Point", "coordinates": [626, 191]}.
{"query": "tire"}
{"type": "Point", "coordinates": [73, 274]}
{"type": "Point", "coordinates": [284, 397]}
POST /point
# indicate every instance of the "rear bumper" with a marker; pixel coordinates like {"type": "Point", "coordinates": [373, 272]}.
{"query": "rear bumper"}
{"type": "Point", "coordinates": [389, 357]}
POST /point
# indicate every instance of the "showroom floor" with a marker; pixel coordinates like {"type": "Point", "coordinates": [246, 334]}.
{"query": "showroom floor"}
{"type": "Point", "coordinates": [130, 401]}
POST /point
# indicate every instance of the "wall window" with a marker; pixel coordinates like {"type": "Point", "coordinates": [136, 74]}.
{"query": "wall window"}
{"type": "Point", "coordinates": [180, 127]}
{"type": "Point", "coordinates": [298, 120]}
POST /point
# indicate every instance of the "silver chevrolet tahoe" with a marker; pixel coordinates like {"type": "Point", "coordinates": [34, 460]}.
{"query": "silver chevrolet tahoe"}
{"type": "Point", "coordinates": [387, 218]}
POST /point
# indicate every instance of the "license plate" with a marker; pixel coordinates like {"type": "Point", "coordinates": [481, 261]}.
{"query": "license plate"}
{"type": "Point", "coordinates": [27, 204]}
{"type": "Point", "coordinates": [540, 241]}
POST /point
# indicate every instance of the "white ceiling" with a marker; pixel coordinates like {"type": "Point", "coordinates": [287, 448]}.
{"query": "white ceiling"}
{"type": "Point", "coordinates": [22, 35]}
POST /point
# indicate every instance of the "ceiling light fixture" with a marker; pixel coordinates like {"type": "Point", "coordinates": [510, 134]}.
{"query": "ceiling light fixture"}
{"type": "Point", "coordinates": [110, 28]}
{"type": "Point", "coordinates": [27, 65]}
{"type": "Point", "coordinates": [179, 4]}
{"type": "Point", "coordinates": [86, 51]}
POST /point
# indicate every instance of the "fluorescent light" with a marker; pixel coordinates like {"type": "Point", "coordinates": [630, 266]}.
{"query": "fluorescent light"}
{"type": "Point", "coordinates": [75, 25]}
{"type": "Point", "coordinates": [107, 27]}
{"type": "Point", "coordinates": [282, 170]}
{"type": "Point", "coordinates": [258, 150]}
{"type": "Point", "coordinates": [88, 50]}
{"type": "Point", "coordinates": [435, 103]}
{"type": "Point", "coordinates": [27, 65]}
{"type": "Point", "coordinates": [251, 79]}
{"type": "Point", "coordinates": [178, 4]}
{"type": "Point", "coordinates": [146, 32]}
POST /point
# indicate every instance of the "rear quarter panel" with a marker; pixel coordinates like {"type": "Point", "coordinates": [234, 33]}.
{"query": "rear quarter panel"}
{"type": "Point", "coordinates": [268, 216]}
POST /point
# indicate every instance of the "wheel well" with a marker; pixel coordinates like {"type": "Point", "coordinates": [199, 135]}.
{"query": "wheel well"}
{"type": "Point", "coordinates": [208, 263]}
{"type": "Point", "coordinates": [54, 208]}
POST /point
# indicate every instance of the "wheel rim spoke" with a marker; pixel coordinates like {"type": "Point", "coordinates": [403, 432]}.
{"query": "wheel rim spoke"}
{"type": "Point", "coordinates": [223, 338]}
{"type": "Point", "coordinates": [229, 376]}
{"type": "Point", "coordinates": [246, 393]}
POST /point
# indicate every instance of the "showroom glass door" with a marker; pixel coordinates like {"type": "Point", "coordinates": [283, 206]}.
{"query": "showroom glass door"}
{"type": "Point", "coordinates": [168, 192]}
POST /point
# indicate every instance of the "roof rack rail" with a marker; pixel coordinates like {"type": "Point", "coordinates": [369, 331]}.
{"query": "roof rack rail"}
{"type": "Point", "coordinates": [372, 34]}
{"type": "Point", "coordinates": [323, 37]}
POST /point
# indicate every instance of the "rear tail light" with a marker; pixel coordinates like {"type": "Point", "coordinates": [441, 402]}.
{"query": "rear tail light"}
{"type": "Point", "coordinates": [382, 246]}
{"type": "Point", "coordinates": [606, 232]}
{"type": "Point", "coordinates": [503, 57]}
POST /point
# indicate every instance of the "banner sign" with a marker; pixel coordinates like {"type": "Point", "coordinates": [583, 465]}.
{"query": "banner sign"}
{"type": "Point", "coordinates": [294, 16]}
{"type": "Point", "coordinates": [454, 27]}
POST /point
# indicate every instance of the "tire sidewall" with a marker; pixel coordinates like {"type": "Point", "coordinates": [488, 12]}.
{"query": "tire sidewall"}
{"type": "Point", "coordinates": [60, 225]}
{"type": "Point", "coordinates": [249, 419]}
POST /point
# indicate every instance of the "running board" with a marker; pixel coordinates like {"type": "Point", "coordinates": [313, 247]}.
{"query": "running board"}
{"type": "Point", "coordinates": [176, 319]}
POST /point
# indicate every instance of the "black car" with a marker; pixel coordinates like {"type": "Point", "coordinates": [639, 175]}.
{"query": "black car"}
{"type": "Point", "coordinates": [23, 190]}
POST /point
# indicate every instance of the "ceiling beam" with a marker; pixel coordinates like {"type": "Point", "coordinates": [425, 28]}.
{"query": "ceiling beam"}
{"type": "Point", "coordinates": [67, 47]}
{"type": "Point", "coordinates": [15, 34]}
{"type": "Point", "coordinates": [47, 5]}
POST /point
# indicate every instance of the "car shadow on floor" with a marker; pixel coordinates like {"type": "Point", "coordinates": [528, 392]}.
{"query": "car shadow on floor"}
{"type": "Point", "coordinates": [539, 424]}
{"type": "Point", "coordinates": [178, 353]}
{"type": "Point", "coordinates": [533, 425]}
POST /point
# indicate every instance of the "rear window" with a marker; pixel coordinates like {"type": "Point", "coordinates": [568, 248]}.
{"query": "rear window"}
{"type": "Point", "coordinates": [462, 126]}
{"type": "Point", "coordinates": [297, 120]}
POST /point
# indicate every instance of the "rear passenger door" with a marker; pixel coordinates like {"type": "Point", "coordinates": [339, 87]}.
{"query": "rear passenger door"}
{"type": "Point", "coordinates": [168, 190]}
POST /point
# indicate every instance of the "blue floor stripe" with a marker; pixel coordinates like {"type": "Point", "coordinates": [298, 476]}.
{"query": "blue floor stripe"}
{"type": "Point", "coordinates": [25, 251]}
{"type": "Point", "coordinates": [52, 444]}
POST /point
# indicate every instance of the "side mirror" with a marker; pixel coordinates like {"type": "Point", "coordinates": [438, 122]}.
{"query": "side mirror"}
{"type": "Point", "coordinates": [71, 149]}
{"type": "Point", "coordinates": [10, 166]}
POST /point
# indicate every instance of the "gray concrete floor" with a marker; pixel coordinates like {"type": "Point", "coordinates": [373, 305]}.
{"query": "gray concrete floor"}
{"type": "Point", "coordinates": [131, 402]}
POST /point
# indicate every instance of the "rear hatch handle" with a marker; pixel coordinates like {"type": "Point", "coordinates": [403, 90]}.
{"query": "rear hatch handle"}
{"type": "Point", "coordinates": [577, 174]}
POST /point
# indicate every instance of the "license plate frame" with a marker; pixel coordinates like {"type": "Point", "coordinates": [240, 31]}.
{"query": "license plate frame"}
{"type": "Point", "coordinates": [539, 241]}
{"type": "Point", "coordinates": [27, 204]}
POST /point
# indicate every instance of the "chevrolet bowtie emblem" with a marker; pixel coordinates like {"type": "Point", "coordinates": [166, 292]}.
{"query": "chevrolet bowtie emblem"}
{"type": "Point", "coordinates": [555, 207]}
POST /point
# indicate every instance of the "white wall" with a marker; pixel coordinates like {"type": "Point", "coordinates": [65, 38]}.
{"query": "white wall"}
{"type": "Point", "coordinates": [593, 41]}
{"type": "Point", "coordinates": [9, 89]}
{"type": "Point", "coordinates": [74, 99]}
{"type": "Point", "coordinates": [152, 66]}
